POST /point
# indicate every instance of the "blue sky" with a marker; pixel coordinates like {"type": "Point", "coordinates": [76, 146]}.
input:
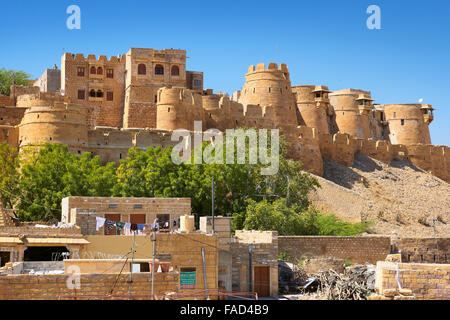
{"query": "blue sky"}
{"type": "Point", "coordinates": [322, 42]}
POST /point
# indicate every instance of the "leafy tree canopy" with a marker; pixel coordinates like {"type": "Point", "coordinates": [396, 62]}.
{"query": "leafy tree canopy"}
{"type": "Point", "coordinates": [9, 77]}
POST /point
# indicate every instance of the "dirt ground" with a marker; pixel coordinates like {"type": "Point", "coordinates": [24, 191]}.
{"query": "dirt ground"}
{"type": "Point", "coordinates": [399, 198]}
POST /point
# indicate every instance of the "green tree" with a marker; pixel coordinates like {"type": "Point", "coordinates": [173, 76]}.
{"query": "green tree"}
{"type": "Point", "coordinates": [290, 220]}
{"type": "Point", "coordinates": [9, 77]}
{"type": "Point", "coordinates": [9, 174]}
{"type": "Point", "coordinates": [52, 173]}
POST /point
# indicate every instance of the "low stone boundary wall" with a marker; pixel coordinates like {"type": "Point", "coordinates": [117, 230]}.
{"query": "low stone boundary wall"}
{"type": "Point", "coordinates": [354, 249]}
{"type": "Point", "coordinates": [51, 287]}
{"type": "Point", "coordinates": [425, 250]}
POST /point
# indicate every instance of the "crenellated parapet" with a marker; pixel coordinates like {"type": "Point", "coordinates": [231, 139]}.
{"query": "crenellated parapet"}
{"type": "Point", "coordinates": [271, 87]}
{"type": "Point", "coordinates": [178, 108]}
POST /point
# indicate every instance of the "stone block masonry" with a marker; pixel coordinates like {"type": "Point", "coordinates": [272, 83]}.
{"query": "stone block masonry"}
{"type": "Point", "coordinates": [354, 249]}
{"type": "Point", "coordinates": [427, 281]}
{"type": "Point", "coordinates": [53, 287]}
{"type": "Point", "coordinates": [425, 250]}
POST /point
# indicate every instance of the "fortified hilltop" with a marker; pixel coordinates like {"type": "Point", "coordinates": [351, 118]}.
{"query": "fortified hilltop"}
{"type": "Point", "coordinates": [106, 106]}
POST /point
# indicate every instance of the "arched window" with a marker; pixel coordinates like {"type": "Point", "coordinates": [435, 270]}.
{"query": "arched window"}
{"type": "Point", "coordinates": [175, 71]}
{"type": "Point", "coordinates": [99, 70]}
{"type": "Point", "coordinates": [92, 93]}
{"type": "Point", "coordinates": [99, 94]}
{"type": "Point", "coordinates": [142, 69]}
{"type": "Point", "coordinates": [93, 70]}
{"type": "Point", "coordinates": [159, 69]}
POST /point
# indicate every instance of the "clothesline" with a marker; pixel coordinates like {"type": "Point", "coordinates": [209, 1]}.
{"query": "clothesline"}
{"type": "Point", "coordinates": [128, 227]}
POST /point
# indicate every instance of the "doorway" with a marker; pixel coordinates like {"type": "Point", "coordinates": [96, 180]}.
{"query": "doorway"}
{"type": "Point", "coordinates": [5, 257]}
{"type": "Point", "coordinates": [261, 282]}
{"type": "Point", "coordinates": [45, 253]}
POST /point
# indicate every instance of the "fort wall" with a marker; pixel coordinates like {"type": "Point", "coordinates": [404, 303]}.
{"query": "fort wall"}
{"type": "Point", "coordinates": [312, 105]}
{"type": "Point", "coordinates": [61, 123]}
{"type": "Point", "coordinates": [407, 124]}
{"type": "Point", "coordinates": [351, 107]}
{"type": "Point", "coordinates": [271, 86]}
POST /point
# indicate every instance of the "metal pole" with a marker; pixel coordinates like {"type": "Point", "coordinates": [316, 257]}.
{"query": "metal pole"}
{"type": "Point", "coordinates": [250, 273]}
{"type": "Point", "coordinates": [204, 272]}
{"type": "Point", "coordinates": [132, 257]}
{"type": "Point", "coordinates": [212, 204]}
{"type": "Point", "coordinates": [153, 263]}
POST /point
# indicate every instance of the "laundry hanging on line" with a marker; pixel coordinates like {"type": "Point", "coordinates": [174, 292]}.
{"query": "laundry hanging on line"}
{"type": "Point", "coordinates": [100, 223]}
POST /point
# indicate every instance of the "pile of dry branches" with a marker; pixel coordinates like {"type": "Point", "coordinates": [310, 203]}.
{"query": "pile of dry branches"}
{"type": "Point", "coordinates": [334, 286]}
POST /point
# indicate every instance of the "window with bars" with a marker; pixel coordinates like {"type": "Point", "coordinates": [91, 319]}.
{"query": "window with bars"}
{"type": "Point", "coordinates": [159, 69]}
{"type": "Point", "coordinates": [109, 96]}
{"type": "Point", "coordinates": [93, 70]}
{"type": "Point", "coordinates": [81, 94]}
{"type": "Point", "coordinates": [99, 70]}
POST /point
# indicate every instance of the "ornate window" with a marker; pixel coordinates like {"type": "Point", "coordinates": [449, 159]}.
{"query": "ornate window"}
{"type": "Point", "coordinates": [159, 69]}
{"type": "Point", "coordinates": [175, 71]}
{"type": "Point", "coordinates": [109, 96]}
{"type": "Point", "coordinates": [99, 70]}
{"type": "Point", "coordinates": [93, 70]}
{"type": "Point", "coordinates": [142, 69]}
{"type": "Point", "coordinates": [92, 93]}
{"type": "Point", "coordinates": [99, 94]}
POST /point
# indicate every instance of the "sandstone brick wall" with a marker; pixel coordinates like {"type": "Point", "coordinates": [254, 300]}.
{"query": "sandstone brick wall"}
{"type": "Point", "coordinates": [10, 135]}
{"type": "Point", "coordinates": [355, 249]}
{"type": "Point", "coordinates": [425, 250]}
{"type": "Point", "coordinates": [11, 115]}
{"type": "Point", "coordinates": [427, 281]}
{"type": "Point", "coordinates": [83, 210]}
{"type": "Point", "coordinates": [5, 100]}
{"type": "Point", "coordinates": [110, 113]}
{"type": "Point", "coordinates": [52, 287]}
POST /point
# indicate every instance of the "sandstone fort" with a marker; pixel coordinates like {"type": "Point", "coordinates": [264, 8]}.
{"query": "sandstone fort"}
{"type": "Point", "coordinates": [106, 106]}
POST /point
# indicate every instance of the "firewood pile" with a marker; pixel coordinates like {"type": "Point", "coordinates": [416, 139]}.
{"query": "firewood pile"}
{"type": "Point", "coordinates": [356, 283]}
{"type": "Point", "coordinates": [334, 286]}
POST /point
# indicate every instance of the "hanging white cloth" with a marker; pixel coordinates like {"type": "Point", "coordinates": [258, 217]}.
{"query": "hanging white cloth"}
{"type": "Point", "coordinates": [127, 229]}
{"type": "Point", "coordinates": [100, 223]}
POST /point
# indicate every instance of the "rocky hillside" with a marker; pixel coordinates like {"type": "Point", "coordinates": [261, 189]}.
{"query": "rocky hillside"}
{"type": "Point", "coordinates": [399, 197]}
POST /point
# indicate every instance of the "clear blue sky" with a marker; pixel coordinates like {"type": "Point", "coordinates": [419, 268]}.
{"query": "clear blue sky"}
{"type": "Point", "coordinates": [322, 42]}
